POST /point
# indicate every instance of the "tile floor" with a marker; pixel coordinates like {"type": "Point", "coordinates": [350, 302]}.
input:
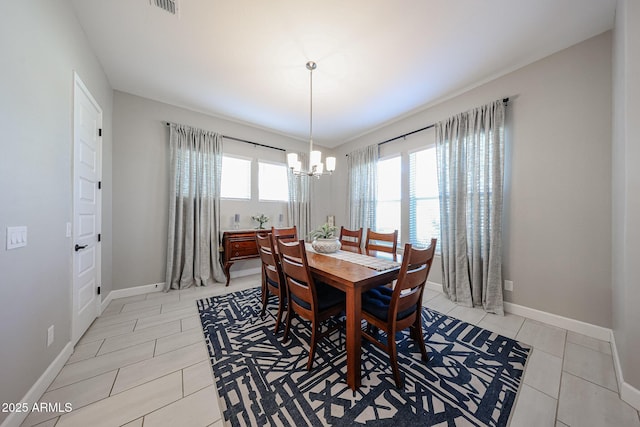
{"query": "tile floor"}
{"type": "Point", "coordinates": [144, 362]}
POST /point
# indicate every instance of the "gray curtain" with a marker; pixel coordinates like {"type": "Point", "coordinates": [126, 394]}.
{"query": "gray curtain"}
{"type": "Point", "coordinates": [299, 207]}
{"type": "Point", "coordinates": [194, 208]}
{"type": "Point", "coordinates": [470, 152]}
{"type": "Point", "coordinates": [362, 187]}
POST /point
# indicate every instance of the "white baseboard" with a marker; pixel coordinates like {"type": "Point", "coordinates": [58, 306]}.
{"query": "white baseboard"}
{"type": "Point", "coordinates": [157, 287]}
{"type": "Point", "coordinates": [130, 292]}
{"type": "Point", "coordinates": [628, 393]}
{"type": "Point", "coordinates": [41, 385]}
{"type": "Point", "coordinates": [593, 331]}
{"type": "Point", "coordinates": [105, 303]}
{"type": "Point", "coordinates": [616, 360]}
{"type": "Point", "coordinates": [434, 286]}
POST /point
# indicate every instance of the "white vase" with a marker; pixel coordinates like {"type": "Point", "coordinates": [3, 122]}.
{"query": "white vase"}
{"type": "Point", "coordinates": [326, 246]}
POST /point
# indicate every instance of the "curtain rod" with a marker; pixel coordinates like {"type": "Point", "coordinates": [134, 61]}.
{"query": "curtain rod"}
{"type": "Point", "coordinates": [246, 141]}
{"type": "Point", "coordinates": [404, 135]}
{"type": "Point", "coordinates": [505, 100]}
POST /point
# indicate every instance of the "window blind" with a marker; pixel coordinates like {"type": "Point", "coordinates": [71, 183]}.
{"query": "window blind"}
{"type": "Point", "coordinates": [424, 203]}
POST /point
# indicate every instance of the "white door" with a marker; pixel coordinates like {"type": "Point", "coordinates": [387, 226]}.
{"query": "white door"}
{"type": "Point", "coordinates": [87, 160]}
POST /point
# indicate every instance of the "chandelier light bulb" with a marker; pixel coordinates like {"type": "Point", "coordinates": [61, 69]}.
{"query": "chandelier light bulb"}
{"type": "Point", "coordinates": [315, 158]}
{"type": "Point", "coordinates": [331, 164]}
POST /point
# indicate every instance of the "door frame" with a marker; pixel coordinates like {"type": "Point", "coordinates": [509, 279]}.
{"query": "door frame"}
{"type": "Point", "coordinates": [80, 87]}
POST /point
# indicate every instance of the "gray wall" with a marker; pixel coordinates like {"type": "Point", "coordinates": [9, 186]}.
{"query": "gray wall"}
{"type": "Point", "coordinates": [557, 229]}
{"type": "Point", "coordinates": [141, 179]}
{"type": "Point", "coordinates": [559, 183]}
{"type": "Point", "coordinates": [626, 191]}
{"type": "Point", "coordinates": [41, 44]}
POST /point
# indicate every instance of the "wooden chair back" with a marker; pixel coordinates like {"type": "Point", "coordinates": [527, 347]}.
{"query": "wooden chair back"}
{"type": "Point", "coordinates": [383, 242]}
{"type": "Point", "coordinates": [351, 237]}
{"type": "Point", "coordinates": [303, 295]}
{"type": "Point", "coordinates": [270, 263]}
{"type": "Point", "coordinates": [272, 278]}
{"type": "Point", "coordinates": [297, 275]}
{"type": "Point", "coordinates": [285, 234]}
{"type": "Point", "coordinates": [408, 290]}
{"type": "Point", "coordinates": [405, 308]}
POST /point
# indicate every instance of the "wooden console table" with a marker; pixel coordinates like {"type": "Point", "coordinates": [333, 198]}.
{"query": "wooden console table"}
{"type": "Point", "coordinates": [237, 245]}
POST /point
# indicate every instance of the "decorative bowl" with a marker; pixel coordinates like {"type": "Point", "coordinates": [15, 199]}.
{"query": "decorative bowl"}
{"type": "Point", "coordinates": [326, 246]}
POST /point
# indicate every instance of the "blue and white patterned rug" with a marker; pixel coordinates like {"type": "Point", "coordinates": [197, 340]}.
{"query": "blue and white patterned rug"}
{"type": "Point", "coordinates": [471, 378]}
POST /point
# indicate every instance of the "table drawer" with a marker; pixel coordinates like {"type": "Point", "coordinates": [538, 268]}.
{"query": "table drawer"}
{"type": "Point", "coordinates": [243, 253]}
{"type": "Point", "coordinates": [243, 245]}
{"type": "Point", "coordinates": [241, 248]}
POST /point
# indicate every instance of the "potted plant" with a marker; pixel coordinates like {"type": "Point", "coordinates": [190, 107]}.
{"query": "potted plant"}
{"type": "Point", "coordinates": [324, 239]}
{"type": "Point", "coordinates": [262, 219]}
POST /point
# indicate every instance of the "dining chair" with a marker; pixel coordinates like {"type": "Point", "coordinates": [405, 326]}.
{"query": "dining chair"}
{"type": "Point", "coordinates": [272, 277]}
{"type": "Point", "coordinates": [394, 310]}
{"type": "Point", "coordinates": [315, 302]}
{"type": "Point", "coordinates": [289, 234]}
{"type": "Point", "coordinates": [383, 242]}
{"type": "Point", "coordinates": [351, 238]}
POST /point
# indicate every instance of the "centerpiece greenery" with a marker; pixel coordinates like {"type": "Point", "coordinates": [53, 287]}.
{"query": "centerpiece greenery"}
{"type": "Point", "coordinates": [261, 219]}
{"type": "Point", "coordinates": [325, 231]}
{"type": "Point", "coordinates": [324, 239]}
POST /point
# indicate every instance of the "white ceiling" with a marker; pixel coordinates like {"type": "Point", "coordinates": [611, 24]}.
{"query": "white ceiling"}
{"type": "Point", "coordinates": [378, 60]}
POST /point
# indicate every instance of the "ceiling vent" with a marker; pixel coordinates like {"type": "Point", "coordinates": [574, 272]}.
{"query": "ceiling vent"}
{"type": "Point", "coordinates": [171, 6]}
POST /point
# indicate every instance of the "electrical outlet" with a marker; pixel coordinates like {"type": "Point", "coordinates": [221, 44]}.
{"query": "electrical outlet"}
{"type": "Point", "coordinates": [50, 335]}
{"type": "Point", "coordinates": [508, 285]}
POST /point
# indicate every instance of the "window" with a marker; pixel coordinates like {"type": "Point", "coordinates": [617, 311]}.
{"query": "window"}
{"type": "Point", "coordinates": [388, 207]}
{"type": "Point", "coordinates": [424, 204]}
{"type": "Point", "coordinates": [236, 178]}
{"type": "Point", "coordinates": [272, 182]}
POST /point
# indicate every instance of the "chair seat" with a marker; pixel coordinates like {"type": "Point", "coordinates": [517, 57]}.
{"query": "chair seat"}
{"type": "Point", "coordinates": [377, 301]}
{"type": "Point", "coordinates": [328, 296]}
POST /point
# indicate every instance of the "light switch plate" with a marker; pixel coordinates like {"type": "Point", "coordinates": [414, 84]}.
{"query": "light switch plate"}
{"type": "Point", "coordinates": [16, 237]}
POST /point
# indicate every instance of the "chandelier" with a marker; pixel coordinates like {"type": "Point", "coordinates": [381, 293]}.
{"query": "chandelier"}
{"type": "Point", "coordinates": [316, 167]}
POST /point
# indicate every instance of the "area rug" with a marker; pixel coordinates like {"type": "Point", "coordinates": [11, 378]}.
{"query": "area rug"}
{"type": "Point", "coordinates": [471, 378]}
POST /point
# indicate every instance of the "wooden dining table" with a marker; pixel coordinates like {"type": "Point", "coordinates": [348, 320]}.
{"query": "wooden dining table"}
{"type": "Point", "coordinates": [353, 279]}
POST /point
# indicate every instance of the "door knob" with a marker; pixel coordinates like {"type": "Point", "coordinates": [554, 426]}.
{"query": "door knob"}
{"type": "Point", "coordinates": [78, 247]}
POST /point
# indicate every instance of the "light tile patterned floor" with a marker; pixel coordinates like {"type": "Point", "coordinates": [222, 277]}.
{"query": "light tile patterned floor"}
{"type": "Point", "coordinates": [569, 379]}
{"type": "Point", "coordinates": [144, 363]}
